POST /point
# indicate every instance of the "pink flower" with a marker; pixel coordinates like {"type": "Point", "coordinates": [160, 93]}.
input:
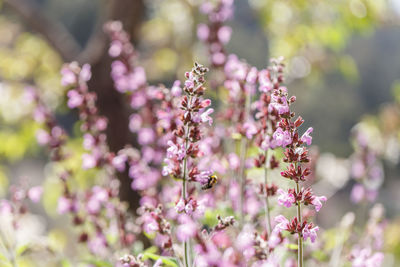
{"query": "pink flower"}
{"type": "Point", "coordinates": [234, 161]}
{"type": "Point", "coordinates": [138, 100]}
{"type": "Point", "coordinates": [88, 161]}
{"type": "Point", "coordinates": [224, 34]}
{"type": "Point", "coordinates": [35, 193]}
{"type": "Point", "coordinates": [282, 108]}
{"type": "Point", "coordinates": [64, 205]}
{"type": "Point", "coordinates": [252, 76]}
{"type": "Point", "coordinates": [88, 141]}
{"type": "Point", "coordinates": [205, 116]}
{"type": "Point", "coordinates": [365, 258]}
{"type": "Point", "coordinates": [357, 193]}
{"type": "Point", "coordinates": [187, 228]}
{"type": "Point", "coordinates": [281, 138]}
{"type": "Point", "coordinates": [306, 137]}
{"type": "Point", "coordinates": [285, 199]}
{"type": "Point", "coordinates": [282, 223]}
{"type": "Point", "coordinates": [98, 244]}
{"type": "Point", "coordinates": [135, 123]}
{"type": "Point", "coordinates": [146, 136]}
{"type": "Point", "coordinates": [150, 225]}
{"type": "Point", "coordinates": [119, 162]}
{"type": "Point", "coordinates": [74, 99]}
{"type": "Point", "coordinates": [68, 76]}
{"type": "Point", "coordinates": [115, 48]}
{"type": "Point", "coordinates": [235, 69]}
{"type": "Point", "coordinates": [218, 58]}
{"type": "Point", "coordinates": [180, 206]}
{"type": "Point", "coordinates": [174, 151]}
{"type": "Point", "coordinates": [203, 32]}
{"type": "Point", "coordinates": [42, 137]}
{"type": "Point", "coordinates": [310, 232]}
{"type": "Point", "coordinates": [265, 82]}
{"type": "Point", "coordinates": [101, 123]}
{"type": "Point", "coordinates": [250, 129]}
{"type": "Point", "coordinates": [86, 73]}
{"type": "Point", "coordinates": [176, 90]}
{"type": "Point", "coordinates": [317, 202]}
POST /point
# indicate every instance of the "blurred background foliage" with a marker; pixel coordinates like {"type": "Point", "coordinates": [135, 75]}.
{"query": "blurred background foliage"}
{"type": "Point", "coordinates": [343, 63]}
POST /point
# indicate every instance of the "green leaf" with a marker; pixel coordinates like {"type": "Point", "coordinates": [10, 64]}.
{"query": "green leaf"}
{"type": "Point", "coordinates": [292, 246]}
{"type": "Point", "coordinates": [21, 249]}
{"type": "Point", "coordinates": [168, 261]}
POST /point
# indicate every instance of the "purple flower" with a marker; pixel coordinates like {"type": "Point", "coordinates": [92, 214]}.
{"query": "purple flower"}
{"type": "Point", "coordinates": [42, 137]}
{"type": "Point", "coordinates": [218, 58]}
{"type": "Point", "coordinates": [279, 105]}
{"type": "Point", "coordinates": [306, 137]}
{"type": "Point", "coordinates": [174, 151]}
{"type": "Point", "coordinates": [135, 122]}
{"type": "Point", "coordinates": [285, 199]}
{"type": "Point", "coordinates": [115, 48]}
{"type": "Point", "coordinates": [250, 129]}
{"type": "Point", "coordinates": [101, 123]}
{"type": "Point", "coordinates": [187, 228]}
{"type": "Point", "coordinates": [119, 162]}
{"type": "Point", "coordinates": [64, 205]}
{"type": "Point", "coordinates": [88, 141]}
{"type": "Point", "coordinates": [265, 82]}
{"type": "Point", "coordinates": [282, 223]}
{"type": "Point", "coordinates": [357, 193]}
{"type": "Point", "coordinates": [35, 193]}
{"type": "Point", "coordinates": [146, 136]}
{"type": "Point", "coordinates": [86, 73]}
{"type": "Point", "coordinates": [68, 76]}
{"type": "Point", "coordinates": [365, 258]}
{"type": "Point", "coordinates": [281, 138]}
{"type": "Point", "coordinates": [180, 206]}
{"type": "Point", "coordinates": [138, 100]}
{"type": "Point", "coordinates": [98, 244]}
{"type": "Point", "coordinates": [224, 34]}
{"type": "Point", "coordinates": [235, 69]}
{"type": "Point", "coordinates": [234, 161]}
{"type": "Point", "coordinates": [88, 161]}
{"type": "Point", "coordinates": [205, 116]}
{"type": "Point", "coordinates": [176, 90]}
{"type": "Point", "coordinates": [203, 32]}
{"type": "Point", "coordinates": [317, 202]}
{"type": "Point", "coordinates": [74, 99]}
{"type": "Point", "coordinates": [310, 232]}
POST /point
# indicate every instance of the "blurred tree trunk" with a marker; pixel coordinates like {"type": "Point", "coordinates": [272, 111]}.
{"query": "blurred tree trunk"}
{"type": "Point", "coordinates": [110, 103]}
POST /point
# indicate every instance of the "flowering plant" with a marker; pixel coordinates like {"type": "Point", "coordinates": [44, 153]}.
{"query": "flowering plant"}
{"type": "Point", "coordinates": [212, 181]}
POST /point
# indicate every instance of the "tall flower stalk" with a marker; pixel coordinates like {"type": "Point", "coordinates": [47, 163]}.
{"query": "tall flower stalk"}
{"type": "Point", "coordinates": [184, 149]}
{"type": "Point", "coordinates": [286, 135]}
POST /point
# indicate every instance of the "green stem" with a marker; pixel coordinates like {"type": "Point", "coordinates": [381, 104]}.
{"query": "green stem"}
{"type": "Point", "coordinates": [300, 235]}
{"type": "Point", "coordinates": [185, 244]}
{"type": "Point", "coordinates": [243, 152]}
{"type": "Point", "coordinates": [267, 213]}
{"type": "Point", "coordinates": [184, 189]}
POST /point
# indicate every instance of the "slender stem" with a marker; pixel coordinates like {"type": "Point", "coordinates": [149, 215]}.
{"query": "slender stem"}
{"type": "Point", "coordinates": [184, 186]}
{"type": "Point", "coordinates": [185, 244]}
{"type": "Point", "coordinates": [300, 235]}
{"type": "Point", "coordinates": [267, 213]}
{"type": "Point", "coordinates": [243, 152]}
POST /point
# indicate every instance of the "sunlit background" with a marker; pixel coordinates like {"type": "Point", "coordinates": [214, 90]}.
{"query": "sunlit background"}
{"type": "Point", "coordinates": [343, 64]}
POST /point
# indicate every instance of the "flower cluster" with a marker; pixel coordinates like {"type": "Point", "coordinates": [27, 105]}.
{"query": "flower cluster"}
{"type": "Point", "coordinates": [366, 167]}
{"type": "Point", "coordinates": [94, 140]}
{"type": "Point", "coordinates": [215, 34]}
